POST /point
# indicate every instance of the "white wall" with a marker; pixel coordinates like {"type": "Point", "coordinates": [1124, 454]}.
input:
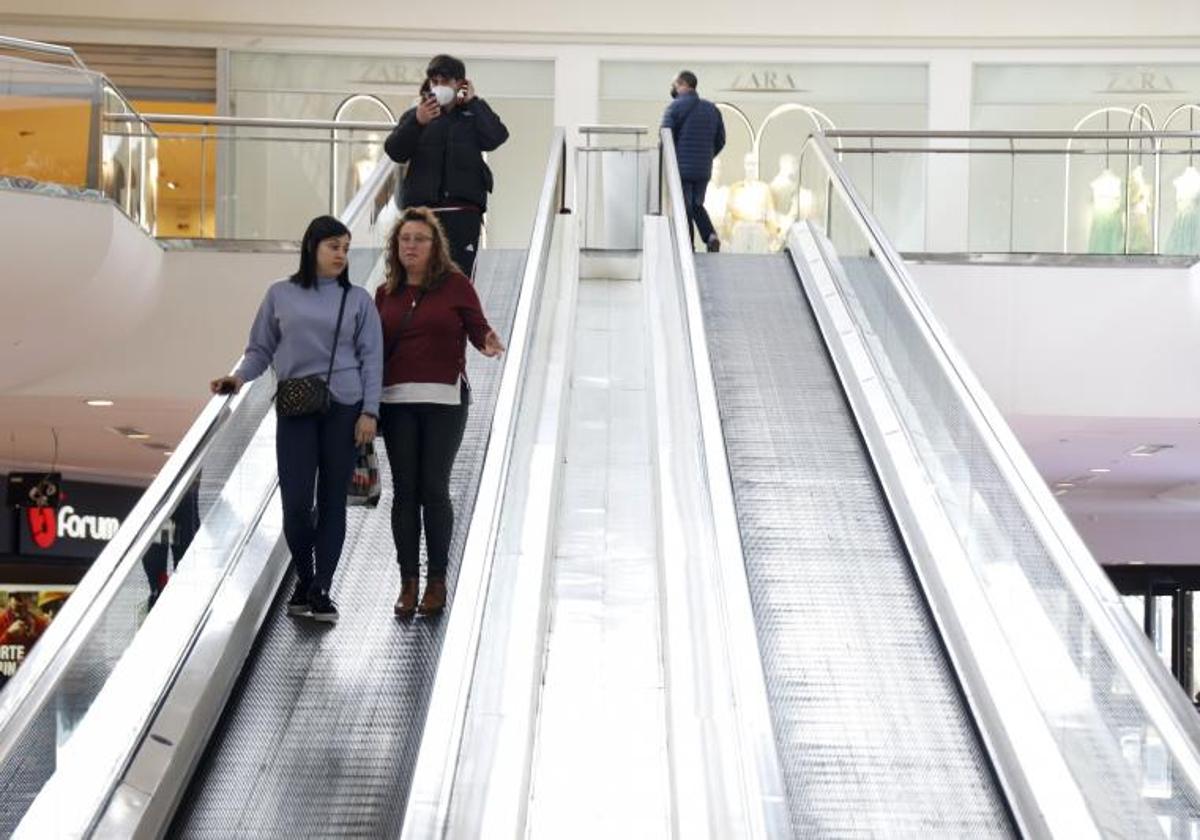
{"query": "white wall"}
{"type": "Point", "coordinates": [859, 19]}
{"type": "Point", "coordinates": [156, 370]}
{"type": "Point", "coordinates": [1075, 342]}
{"type": "Point", "coordinates": [66, 255]}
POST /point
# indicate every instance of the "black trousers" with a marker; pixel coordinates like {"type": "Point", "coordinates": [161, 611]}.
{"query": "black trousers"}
{"type": "Point", "coordinates": [693, 201]}
{"type": "Point", "coordinates": [462, 229]}
{"type": "Point", "coordinates": [316, 450]}
{"type": "Point", "coordinates": [422, 441]}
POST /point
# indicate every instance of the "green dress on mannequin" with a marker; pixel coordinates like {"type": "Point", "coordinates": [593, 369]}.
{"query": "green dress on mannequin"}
{"type": "Point", "coordinates": [1185, 233]}
{"type": "Point", "coordinates": [1106, 230]}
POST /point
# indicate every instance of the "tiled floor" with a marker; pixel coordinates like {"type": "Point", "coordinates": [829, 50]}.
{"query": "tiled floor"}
{"type": "Point", "coordinates": [601, 761]}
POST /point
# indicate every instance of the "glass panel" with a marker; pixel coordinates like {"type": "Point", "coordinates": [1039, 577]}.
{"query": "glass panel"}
{"type": "Point", "coordinates": [1163, 627]}
{"type": "Point", "coordinates": [769, 109]}
{"type": "Point", "coordinates": [312, 86]}
{"type": "Point", "coordinates": [49, 111]}
{"type": "Point", "coordinates": [1105, 733]}
{"type": "Point", "coordinates": [1136, 604]}
{"type": "Point", "coordinates": [1191, 651]}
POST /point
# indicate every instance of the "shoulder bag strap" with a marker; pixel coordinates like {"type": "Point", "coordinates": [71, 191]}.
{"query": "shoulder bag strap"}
{"type": "Point", "coordinates": [336, 332]}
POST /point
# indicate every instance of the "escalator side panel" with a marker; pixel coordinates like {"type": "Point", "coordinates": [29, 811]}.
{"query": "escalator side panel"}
{"type": "Point", "coordinates": [322, 730]}
{"type": "Point", "coordinates": [872, 731]}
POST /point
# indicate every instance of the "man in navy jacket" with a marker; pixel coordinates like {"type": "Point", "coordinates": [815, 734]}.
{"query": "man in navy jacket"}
{"type": "Point", "coordinates": [699, 135]}
{"type": "Point", "coordinates": [442, 139]}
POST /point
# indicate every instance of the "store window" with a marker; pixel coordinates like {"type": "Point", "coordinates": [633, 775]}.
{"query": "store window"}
{"type": "Point", "coordinates": [275, 187]}
{"type": "Point", "coordinates": [770, 110]}
{"type": "Point", "coordinates": [1112, 197]}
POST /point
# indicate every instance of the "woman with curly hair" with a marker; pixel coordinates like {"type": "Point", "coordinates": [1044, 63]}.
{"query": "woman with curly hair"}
{"type": "Point", "coordinates": [428, 309]}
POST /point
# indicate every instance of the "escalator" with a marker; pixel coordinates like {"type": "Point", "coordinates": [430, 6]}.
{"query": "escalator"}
{"type": "Point", "coordinates": [337, 713]}
{"type": "Point", "coordinates": [216, 714]}
{"type": "Point", "coordinates": [873, 734]}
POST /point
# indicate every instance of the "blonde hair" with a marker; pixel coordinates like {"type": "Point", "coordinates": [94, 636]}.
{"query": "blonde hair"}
{"type": "Point", "coordinates": [440, 263]}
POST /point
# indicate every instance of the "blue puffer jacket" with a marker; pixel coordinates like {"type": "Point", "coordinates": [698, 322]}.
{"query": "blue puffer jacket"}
{"type": "Point", "coordinates": [699, 134]}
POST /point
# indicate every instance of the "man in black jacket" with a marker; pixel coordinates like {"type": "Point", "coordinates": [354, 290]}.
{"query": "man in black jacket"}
{"type": "Point", "coordinates": [699, 135]}
{"type": "Point", "coordinates": [443, 140]}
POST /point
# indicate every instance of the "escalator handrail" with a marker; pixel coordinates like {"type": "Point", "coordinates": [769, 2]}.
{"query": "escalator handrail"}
{"type": "Point", "coordinates": [1159, 695]}
{"type": "Point", "coordinates": [430, 792]}
{"type": "Point", "coordinates": [761, 773]}
{"type": "Point", "coordinates": [43, 669]}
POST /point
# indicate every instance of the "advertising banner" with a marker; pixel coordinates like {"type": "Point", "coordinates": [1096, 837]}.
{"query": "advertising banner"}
{"type": "Point", "coordinates": [25, 613]}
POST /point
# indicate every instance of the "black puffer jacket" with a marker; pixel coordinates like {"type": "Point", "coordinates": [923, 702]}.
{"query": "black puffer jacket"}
{"type": "Point", "coordinates": [445, 158]}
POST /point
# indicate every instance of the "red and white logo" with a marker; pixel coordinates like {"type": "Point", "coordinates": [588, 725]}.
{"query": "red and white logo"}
{"type": "Point", "coordinates": [47, 525]}
{"type": "Point", "coordinates": [43, 526]}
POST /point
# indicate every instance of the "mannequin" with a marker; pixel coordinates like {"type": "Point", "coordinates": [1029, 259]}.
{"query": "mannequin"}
{"type": "Point", "coordinates": [1185, 233]}
{"type": "Point", "coordinates": [365, 163]}
{"type": "Point", "coordinates": [1106, 230]}
{"type": "Point", "coordinates": [1141, 237]}
{"type": "Point", "coordinates": [751, 214]}
{"type": "Point", "coordinates": [716, 199]}
{"type": "Point", "coordinates": [785, 194]}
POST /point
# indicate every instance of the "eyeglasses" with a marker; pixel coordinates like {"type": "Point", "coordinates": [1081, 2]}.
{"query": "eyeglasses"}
{"type": "Point", "coordinates": [414, 240]}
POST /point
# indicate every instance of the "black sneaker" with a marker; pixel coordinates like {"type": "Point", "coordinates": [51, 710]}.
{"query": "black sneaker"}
{"type": "Point", "coordinates": [298, 603]}
{"type": "Point", "coordinates": [322, 607]}
{"type": "Point", "coordinates": [713, 245]}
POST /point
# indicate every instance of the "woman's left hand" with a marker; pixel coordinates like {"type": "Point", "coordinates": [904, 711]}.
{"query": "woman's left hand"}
{"type": "Point", "coordinates": [364, 429]}
{"type": "Point", "coordinates": [492, 345]}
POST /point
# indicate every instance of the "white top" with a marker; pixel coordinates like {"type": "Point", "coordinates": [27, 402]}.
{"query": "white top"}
{"type": "Point", "coordinates": [438, 393]}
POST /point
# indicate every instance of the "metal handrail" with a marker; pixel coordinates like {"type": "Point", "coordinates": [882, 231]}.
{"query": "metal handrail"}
{"type": "Point", "coordinates": [1007, 135]}
{"type": "Point", "coordinates": [251, 122]}
{"type": "Point", "coordinates": [43, 669]}
{"type": "Point", "coordinates": [761, 774]}
{"type": "Point", "coordinates": [1158, 694]}
{"type": "Point", "coordinates": [432, 785]}
{"type": "Point", "coordinates": [26, 45]}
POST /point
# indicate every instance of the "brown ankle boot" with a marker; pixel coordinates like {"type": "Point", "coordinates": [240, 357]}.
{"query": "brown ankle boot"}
{"type": "Point", "coordinates": [406, 604]}
{"type": "Point", "coordinates": [434, 600]}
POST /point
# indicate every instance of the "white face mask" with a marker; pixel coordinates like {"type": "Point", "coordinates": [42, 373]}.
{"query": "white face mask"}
{"type": "Point", "coordinates": [444, 94]}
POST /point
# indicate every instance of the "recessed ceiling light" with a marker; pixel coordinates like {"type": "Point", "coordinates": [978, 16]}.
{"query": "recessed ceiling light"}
{"type": "Point", "coordinates": [1060, 492]}
{"type": "Point", "coordinates": [1100, 470]}
{"type": "Point", "coordinates": [1064, 484]}
{"type": "Point", "coordinates": [1136, 562]}
{"type": "Point", "coordinates": [171, 185]}
{"type": "Point", "coordinates": [1148, 449]}
{"type": "Point", "coordinates": [138, 436]}
{"type": "Point", "coordinates": [168, 452]}
{"type": "Point", "coordinates": [99, 403]}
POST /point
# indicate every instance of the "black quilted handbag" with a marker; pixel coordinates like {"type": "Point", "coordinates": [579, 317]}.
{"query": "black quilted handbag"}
{"type": "Point", "coordinates": [309, 394]}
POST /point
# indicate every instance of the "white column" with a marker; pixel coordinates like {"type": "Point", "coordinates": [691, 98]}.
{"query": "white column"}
{"type": "Point", "coordinates": [576, 97]}
{"type": "Point", "coordinates": [947, 176]}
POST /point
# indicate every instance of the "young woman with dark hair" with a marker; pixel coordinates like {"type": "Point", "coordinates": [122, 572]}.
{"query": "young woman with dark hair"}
{"type": "Point", "coordinates": [316, 324]}
{"type": "Point", "coordinates": [429, 309]}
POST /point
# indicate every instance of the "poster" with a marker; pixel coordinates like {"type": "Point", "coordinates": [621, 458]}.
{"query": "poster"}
{"type": "Point", "coordinates": [25, 613]}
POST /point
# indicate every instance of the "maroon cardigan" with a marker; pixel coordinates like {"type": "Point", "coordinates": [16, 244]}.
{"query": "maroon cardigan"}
{"type": "Point", "coordinates": [432, 347]}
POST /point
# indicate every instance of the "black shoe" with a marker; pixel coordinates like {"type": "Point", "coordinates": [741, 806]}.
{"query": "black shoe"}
{"type": "Point", "coordinates": [713, 244]}
{"type": "Point", "coordinates": [298, 603]}
{"type": "Point", "coordinates": [322, 607]}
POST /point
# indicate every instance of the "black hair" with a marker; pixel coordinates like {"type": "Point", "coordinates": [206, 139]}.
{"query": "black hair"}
{"type": "Point", "coordinates": [319, 229]}
{"type": "Point", "coordinates": [446, 65]}
{"type": "Point", "coordinates": [688, 78]}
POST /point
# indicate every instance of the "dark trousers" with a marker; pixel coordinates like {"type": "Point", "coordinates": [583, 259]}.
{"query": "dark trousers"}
{"type": "Point", "coordinates": [422, 440]}
{"type": "Point", "coordinates": [693, 202]}
{"type": "Point", "coordinates": [462, 229]}
{"type": "Point", "coordinates": [316, 449]}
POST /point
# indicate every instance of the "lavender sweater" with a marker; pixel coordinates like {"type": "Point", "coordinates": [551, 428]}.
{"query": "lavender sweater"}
{"type": "Point", "coordinates": [293, 331]}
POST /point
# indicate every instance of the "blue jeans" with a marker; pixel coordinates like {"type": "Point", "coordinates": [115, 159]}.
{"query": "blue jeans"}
{"type": "Point", "coordinates": [693, 202]}
{"type": "Point", "coordinates": [316, 450]}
